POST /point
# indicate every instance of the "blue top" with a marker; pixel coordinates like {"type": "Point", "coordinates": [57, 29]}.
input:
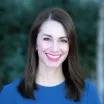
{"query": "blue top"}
{"type": "Point", "coordinates": [47, 95]}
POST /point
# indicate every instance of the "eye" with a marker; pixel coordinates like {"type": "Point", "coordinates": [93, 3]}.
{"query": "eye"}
{"type": "Point", "coordinates": [46, 39]}
{"type": "Point", "coordinates": [64, 41]}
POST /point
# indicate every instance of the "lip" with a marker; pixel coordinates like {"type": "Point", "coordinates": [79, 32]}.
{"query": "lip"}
{"type": "Point", "coordinates": [54, 54]}
{"type": "Point", "coordinates": [53, 59]}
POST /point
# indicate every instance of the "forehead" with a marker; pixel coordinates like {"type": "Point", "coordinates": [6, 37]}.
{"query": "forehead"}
{"type": "Point", "coordinates": [53, 28]}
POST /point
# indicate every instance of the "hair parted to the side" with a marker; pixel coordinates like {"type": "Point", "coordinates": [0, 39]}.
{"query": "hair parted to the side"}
{"type": "Point", "coordinates": [74, 78]}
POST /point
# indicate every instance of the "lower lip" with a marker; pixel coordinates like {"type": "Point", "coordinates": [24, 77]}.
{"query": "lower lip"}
{"type": "Point", "coordinates": [53, 59]}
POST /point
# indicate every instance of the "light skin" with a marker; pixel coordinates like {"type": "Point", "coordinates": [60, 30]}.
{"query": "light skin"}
{"type": "Point", "coordinates": [53, 48]}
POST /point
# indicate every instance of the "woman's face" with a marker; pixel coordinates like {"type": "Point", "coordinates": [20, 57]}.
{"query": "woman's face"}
{"type": "Point", "coordinates": [52, 44]}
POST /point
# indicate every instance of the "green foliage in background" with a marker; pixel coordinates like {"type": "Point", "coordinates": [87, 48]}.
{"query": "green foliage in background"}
{"type": "Point", "coordinates": [16, 18]}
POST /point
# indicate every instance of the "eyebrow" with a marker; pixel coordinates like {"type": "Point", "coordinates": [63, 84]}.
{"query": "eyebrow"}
{"type": "Point", "coordinates": [51, 36]}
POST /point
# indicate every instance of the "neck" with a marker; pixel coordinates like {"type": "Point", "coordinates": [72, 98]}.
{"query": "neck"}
{"type": "Point", "coordinates": [49, 76]}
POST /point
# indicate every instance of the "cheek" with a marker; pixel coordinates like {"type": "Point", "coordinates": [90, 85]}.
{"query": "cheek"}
{"type": "Point", "coordinates": [42, 46]}
{"type": "Point", "coordinates": [65, 49]}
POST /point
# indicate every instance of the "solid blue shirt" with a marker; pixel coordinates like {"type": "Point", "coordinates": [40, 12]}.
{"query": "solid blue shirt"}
{"type": "Point", "coordinates": [48, 95]}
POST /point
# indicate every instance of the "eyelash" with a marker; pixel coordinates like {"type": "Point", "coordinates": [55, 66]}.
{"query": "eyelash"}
{"type": "Point", "coordinates": [48, 39]}
{"type": "Point", "coordinates": [64, 41]}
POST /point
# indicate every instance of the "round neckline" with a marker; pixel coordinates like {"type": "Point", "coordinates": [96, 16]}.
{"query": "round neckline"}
{"type": "Point", "coordinates": [42, 86]}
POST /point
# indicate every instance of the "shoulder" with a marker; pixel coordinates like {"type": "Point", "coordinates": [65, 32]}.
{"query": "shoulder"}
{"type": "Point", "coordinates": [11, 86]}
{"type": "Point", "coordinates": [91, 93]}
{"type": "Point", "coordinates": [89, 87]}
{"type": "Point", "coordinates": [88, 84]}
{"type": "Point", "coordinates": [9, 91]}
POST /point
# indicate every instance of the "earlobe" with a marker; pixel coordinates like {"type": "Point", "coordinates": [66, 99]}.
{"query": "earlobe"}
{"type": "Point", "coordinates": [36, 49]}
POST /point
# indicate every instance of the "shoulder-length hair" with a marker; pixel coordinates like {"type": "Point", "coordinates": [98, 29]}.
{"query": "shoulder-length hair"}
{"type": "Point", "coordinates": [74, 78]}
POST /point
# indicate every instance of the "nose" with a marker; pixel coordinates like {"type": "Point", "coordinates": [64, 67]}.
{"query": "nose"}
{"type": "Point", "coordinates": [55, 47]}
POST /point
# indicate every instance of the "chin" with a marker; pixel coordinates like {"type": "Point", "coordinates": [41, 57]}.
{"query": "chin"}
{"type": "Point", "coordinates": [54, 66]}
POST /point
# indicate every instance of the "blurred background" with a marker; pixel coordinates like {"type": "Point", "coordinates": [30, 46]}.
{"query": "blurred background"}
{"type": "Point", "coordinates": [16, 19]}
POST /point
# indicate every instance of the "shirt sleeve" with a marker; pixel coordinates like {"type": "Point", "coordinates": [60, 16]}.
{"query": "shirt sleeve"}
{"type": "Point", "coordinates": [92, 95]}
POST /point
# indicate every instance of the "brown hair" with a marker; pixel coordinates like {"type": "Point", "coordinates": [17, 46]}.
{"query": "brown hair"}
{"type": "Point", "coordinates": [74, 79]}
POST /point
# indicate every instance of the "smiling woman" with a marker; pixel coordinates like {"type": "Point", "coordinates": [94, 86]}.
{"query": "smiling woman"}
{"type": "Point", "coordinates": [53, 48]}
{"type": "Point", "coordinates": [53, 73]}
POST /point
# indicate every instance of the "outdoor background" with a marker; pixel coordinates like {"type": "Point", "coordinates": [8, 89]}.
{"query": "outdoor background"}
{"type": "Point", "coordinates": [16, 18]}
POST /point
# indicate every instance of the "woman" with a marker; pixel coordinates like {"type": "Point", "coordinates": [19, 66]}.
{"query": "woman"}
{"type": "Point", "coordinates": [53, 74]}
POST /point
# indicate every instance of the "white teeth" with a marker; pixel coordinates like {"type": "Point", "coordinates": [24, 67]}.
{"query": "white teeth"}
{"type": "Point", "coordinates": [53, 56]}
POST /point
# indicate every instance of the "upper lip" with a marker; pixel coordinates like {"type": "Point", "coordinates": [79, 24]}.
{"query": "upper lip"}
{"type": "Point", "coordinates": [54, 54]}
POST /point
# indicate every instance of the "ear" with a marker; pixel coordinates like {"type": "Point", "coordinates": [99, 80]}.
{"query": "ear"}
{"type": "Point", "coordinates": [36, 48]}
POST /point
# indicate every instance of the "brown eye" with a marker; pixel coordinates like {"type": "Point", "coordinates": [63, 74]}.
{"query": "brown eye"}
{"type": "Point", "coordinates": [46, 39]}
{"type": "Point", "coordinates": [64, 41]}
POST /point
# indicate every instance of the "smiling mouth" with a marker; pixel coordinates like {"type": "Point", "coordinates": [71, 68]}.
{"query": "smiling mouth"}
{"type": "Point", "coordinates": [53, 58]}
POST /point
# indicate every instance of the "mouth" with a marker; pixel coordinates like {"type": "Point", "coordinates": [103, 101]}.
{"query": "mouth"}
{"type": "Point", "coordinates": [52, 57]}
